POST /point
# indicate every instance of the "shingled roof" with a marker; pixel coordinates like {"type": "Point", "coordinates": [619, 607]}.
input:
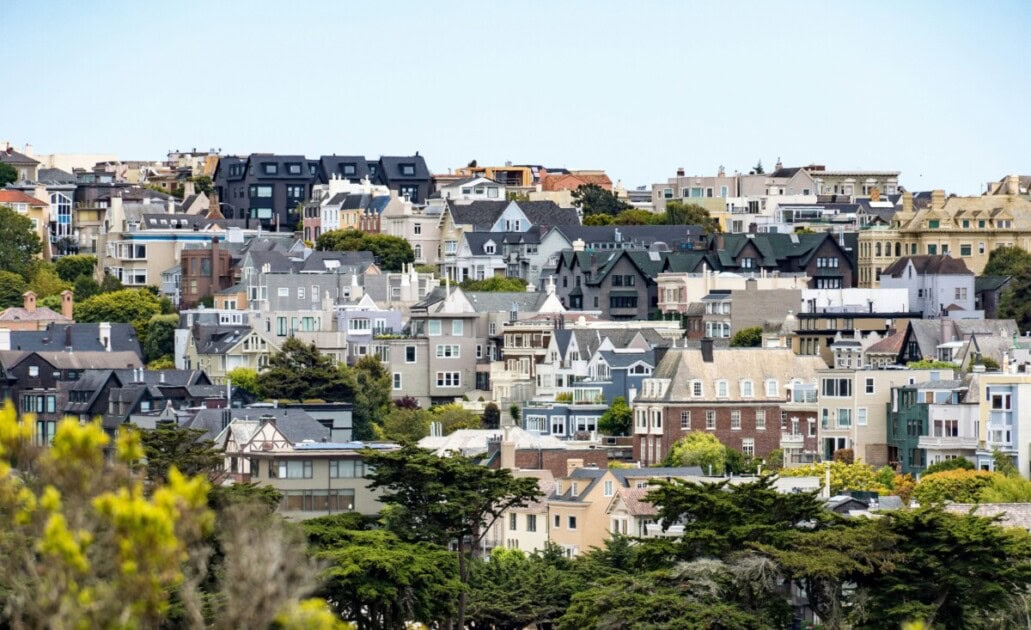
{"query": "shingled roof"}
{"type": "Point", "coordinates": [926, 265]}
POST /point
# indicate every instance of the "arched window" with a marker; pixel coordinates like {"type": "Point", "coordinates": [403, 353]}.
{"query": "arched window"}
{"type": "Point", "coordinates": [898, 249]}
{"type": "Point", "coordinates": [878, 248]}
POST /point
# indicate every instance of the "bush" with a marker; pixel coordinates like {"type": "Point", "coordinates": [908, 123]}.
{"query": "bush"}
{"type": "Point", "coordinates": [699, 449]}
{"type": "Point", "coordinates": [959, 463]}
{"type": "Point", "coordinates": [845, 455]}
{"type": "Point", "coordinates": [960, 486]}
{"type": "Point", "coordinates": [857, 476]}
{"type": "Point", "coordinates": [747, 338]}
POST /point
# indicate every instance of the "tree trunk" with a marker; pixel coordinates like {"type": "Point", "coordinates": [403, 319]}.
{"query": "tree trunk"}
{"type": "Point", "coordinates": [464, 578]}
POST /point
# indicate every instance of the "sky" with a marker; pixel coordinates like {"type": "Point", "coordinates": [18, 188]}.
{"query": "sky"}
{"type": "Point", "coordinates": [936, 90]}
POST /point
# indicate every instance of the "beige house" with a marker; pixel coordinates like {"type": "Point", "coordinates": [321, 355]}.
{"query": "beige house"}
{"type": "Point", "coordinates": [316, 478]}
{"type": "Point", "coordinates": [965, 227]}
{"type": "Point", "coordinates": [29, 316]}
{"type": "Point", "coordinates": [420, 226]}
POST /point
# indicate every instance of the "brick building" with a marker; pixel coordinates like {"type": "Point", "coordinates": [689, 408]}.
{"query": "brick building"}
{"type": "Point", "coordinates": [205, 272]}
{"type": "Point", "coordinates": [755, 400]}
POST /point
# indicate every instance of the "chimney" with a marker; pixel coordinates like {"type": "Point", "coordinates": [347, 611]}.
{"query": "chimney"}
{"type": "Point", "coordinates": [105, 335]}
{"type": "Point", "coordinates": [680, 172]}
{"type": "Point", "coordinates": [170, 205]}
{"type": "Point", "coordinates": [68, 339]}
{"type": "Point", "coordinates": [907, 201]}
{"type": "Point", "coordinates": [188, 189]}
{"type": "Point", "coordinates": [875, 194]}
{"type": "Point", "coordinates": [707, 349]}
{"type": "Point", "coordinates": [508, 450]}
{"type": "Point", "coordinates": [67, 304]}
{"type": "Point", "coordinates": [1012, 185]}
{"type": "Point", "coordinates": [578, 245]}
{"type": "Point", "coordinates": [5, 339]}
{"type": "Point", "coordinates": [937, 199]}
{"type": "Point", "coordinates": [751, 284]}
{"type": "Point", "coordinates": [29, 301]}
{"type": "Point", "coordinates": [572, 464]}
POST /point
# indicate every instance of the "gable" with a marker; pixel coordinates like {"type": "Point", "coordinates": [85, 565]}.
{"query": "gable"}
{"type": "Point", "coordinates": [507, 221]}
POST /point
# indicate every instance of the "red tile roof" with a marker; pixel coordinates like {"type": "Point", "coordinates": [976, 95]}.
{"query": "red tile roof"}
{"type": "Point", "coordinates": [17, 196]}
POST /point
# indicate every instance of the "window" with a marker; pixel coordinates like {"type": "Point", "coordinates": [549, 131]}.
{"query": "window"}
{"type": "Point", "coordinates": [449, 379]}
{"type": "Point", "coordinates": [270, 168]}
{"type": "Point", "coordinates": [710, 419]}
{"type": "Point", "coordinates": [760, 419]}
{"type": "Point", "coordinates": [397, 380]}
{"type": "Point", "coordinates": [837, 387]}
{"type": "Point", "coordinates": [696, 389]}
{"type": "Point", "coordinates": [447, 351]}
{"type": "Point", "coordinates": [318, 500]}
{"type": "Point", "coordinates": [722, 391]}
{"type": "Point", "coordinates": [33, 371]}
{"type": "Point", "coordinates": [961, 293]}
{"type": "Point", "coordinates": [861, 416]}
{"type": "Point", "coordinates": [748, 447]}
{"type": "Point", "coordinates": [746, 389]}
{"type": "Point", "coordinates": [294, 469]}
{"type": "Point", "coordinates": [771, 388]}
{"type": "Point", "coordinates": [346, 468]}
{"type": "Point", "coordinates": [735, 420]}
{"type": "Point", "coordinates": [408, 169]}
{"type": "Point", "coordinates": [558, 519]}
{"type": "Point", "coordinates": [623, 301]}
{"type": "Point", "coordinates": [457, 327]}
{"type": "Point", "coordinates": [433, 328]}
{"type": "Point", "coordinates": [667, 193]}
{"type": "Point", "coordinates": [869, 386]}
{"type": "Point", "coordinates": [571, 522]}
{"type": "Point", "coordinates": [685, 420]}
{"type": "Point", "coordinates": [263, 192]}
{"type": "Point", "coordinates": [512, 522]}
{"type": "Point", "coordinates": [409, 354]}
{"type": "Point", "coordinates": [531, 522]}
{"type": "Point", "coordinates": [932, 249]}
{"type": "Point", "coordinates": [965, 249]}
{"type": "Point", "coordinates": [300, 294]}
{"type": "Point", "coordinates": [608, 491]}
{"type": "Point", "coordinates": [844, 417]}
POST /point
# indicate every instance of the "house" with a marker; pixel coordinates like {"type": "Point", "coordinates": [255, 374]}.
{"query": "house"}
{"type": "Point", "coordinates": [526, 527]}
{"type": "Point", "coordinates": [814, 334]}
{"type": "Point", "coordinates": [29, 316]}
{"type": "Point", "coordinates": [938, 286]}
{"type": "Point", "coordinates": [962, 342]}
{"type": "Point", "coordinates": [966, 227]}
{"type": "Point", "coordinates": [752, 399]}
{"type": "Point", "coordinates": [476, 188]}
{"type": "Point", "coordinates": [419, 225]}
{"type": "Point", "coordinates": [483, 255]}
{"type": "Point", "coordinates": [679, 290]}
{"type": "Point", "coordinates": [204, 269]}
{"type": "Point", "coordinates": [580, 506]}
{"type": "Point", "coordinates": [826, 259]}
{"type": "Point", "coordinates": [23, 163]}
{"type": "Point", "coordinates": [71, 337]}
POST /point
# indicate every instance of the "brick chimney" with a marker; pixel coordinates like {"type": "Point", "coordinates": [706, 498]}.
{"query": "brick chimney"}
{"type": "Point", "coordinates": [67, 304]}
{"type": "Point", "coordinates": [937, 199]}
{"type": "Point", "coordinates": [29, 301]}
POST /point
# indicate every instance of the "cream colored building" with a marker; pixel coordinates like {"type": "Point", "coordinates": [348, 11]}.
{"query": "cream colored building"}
{"type": "Point", "coordinates": [677, 290]}
{"type": "Point", "coordinates": [964, 227]}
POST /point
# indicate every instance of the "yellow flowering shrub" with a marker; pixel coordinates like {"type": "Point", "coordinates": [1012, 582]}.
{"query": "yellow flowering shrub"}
{"type": "Point", "coordinates": [857, 476]}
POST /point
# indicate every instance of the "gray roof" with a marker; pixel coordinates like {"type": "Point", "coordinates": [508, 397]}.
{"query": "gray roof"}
{"type": "Point", "coordinates": [643, 235]}
{"type": "Point", "coordinates": [503, 301]}
{"type": "Point", "coordinates": [316, 262]}
{"type": "Point", "coordinates": [623, 475]}
{"type": "Point", "coordinates": [15, 157]}
{"type": "Point", "coordinates": [477, 240]}
{"type": "Point", "coordinates": [297, 425]}
{"type": "Point", "coordinates": [217, 339]}
{"type": "Point", "coordinates": [54, 176]}
{"type": "Point", "coordinates": [480, 214]}
{"type": "Point", "coordinates": [626, 359]}
{"type": "Point", "coordinates": [83, 337]}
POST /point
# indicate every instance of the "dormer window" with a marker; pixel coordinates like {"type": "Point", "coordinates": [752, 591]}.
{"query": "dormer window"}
{"type": "Point", "coordinates": [270, 168]}
{"type": "Point", "coordinates": [696, 389]}
{"type": "Point", "coordinates": [722, 391]}
{"type": "Point", "coordinates": [746, 389]}
{"type": "Point", "coordinates": [489, 247]}
{"type": "Point", "coordinates": [293, 168]}
{"type": "Point", "coordinates": [408, 170]}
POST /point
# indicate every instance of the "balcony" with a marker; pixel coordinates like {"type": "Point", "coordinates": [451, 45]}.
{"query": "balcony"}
{"type": "Point", "coordinates": [943, 443]}
{"type": "Point", "coordinates": [792, 440]}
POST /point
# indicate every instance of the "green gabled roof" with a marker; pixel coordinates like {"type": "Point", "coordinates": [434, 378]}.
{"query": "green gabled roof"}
{"type": "Point", "coordinates": [989, 283]}
{"type": "Point", "coordinates": [679, 262]}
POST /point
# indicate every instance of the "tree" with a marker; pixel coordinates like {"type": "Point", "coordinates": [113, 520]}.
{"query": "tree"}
{"type": "Point", "coordinates": [391, 252]}
{"type": "Point", "coordinates": [598, 219]}
{"type": "Point", "coordinates": [961, 486]}
{"type": "Point", "coordinates": [202, 184]}
{"type": "Point", "coordinates": [12, 289]}
{"type": "Point", "coordinates": [1007, 261]}
{"type": "Point", "coordinates": [45, 282]}
{"type": "Point", "coordinates": [453, 416]}
{"type": "Point", "coordinates": [85, 287]}
{"type": "Point", "coordinates": [514, 411]}
{"type": "Point", "coordinates": [699, 449]}
{"type": "Point", "coordinates": [496, 284]}
{"type": "Point", "coordinates": [21, 244]}
{"type": "Point", "coordinates": [758, 169]}
{"type": "Point", "coordinates": [951, 570]}
{"type": "Point", "coordinates": [681, 213]}
{"type": "Point", "coordinates": [593, 199]}
{"type": "Point", "coordinates": [244, 379]}
{"type": "Point", "coordinates": [71, 268]}
{"type": "Point", "coordinates": [491, 416]}
{"type": "Point", "coordinates": [1003, 464]}
{"type": "Point", "coordinates": [618, 418]}
{"type": "Point", "coordinates": [134, 306]}
{"type": "Point", "coordinates": [371, 396]}
{"type": "Point", "coordinates": [159, 336]}
{"type": "Point", "coordinates": [956, 463]}
{"type": "Point", "coordinates": [404, 425]}
{"type": "Point", "coordinates": [444, 500]}
{"type": "Point", "coordinates": [8, 174]}
{"type": "Point", "coordinates": [223, 497]}
{"type": "Point", "coordinates": [379, 581]}
{"type": "Point", "coordinates": [1006, 489]}
{"type": "Point", "coordinates": [636, 216]}
{"type": "Point", "coordinates": [300, 372]}
{"type": "Point", "coordinates": [167, 447]}
{"type": "Point", "coordinates": [737, 463]}
{"type": "Point", "coordinates": [844, 476]}
{"type": "Point", "coordinates": [512, 591]}
{"type": "Point", "coordinates": [747, 338]}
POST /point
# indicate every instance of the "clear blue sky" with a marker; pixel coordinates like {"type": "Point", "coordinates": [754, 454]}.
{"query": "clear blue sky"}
{"type": "Point", "coordinates": [937, 90]}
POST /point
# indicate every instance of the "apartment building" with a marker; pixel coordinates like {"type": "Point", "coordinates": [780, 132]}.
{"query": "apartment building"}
{"type": "Point", "coordinates": [965, 227]}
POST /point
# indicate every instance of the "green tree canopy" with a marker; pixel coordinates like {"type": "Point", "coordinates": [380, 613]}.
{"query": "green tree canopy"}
{"type": "Point", "coordinates": [134, 306]}
{"type": "Point", "coordinates": [371, 396]}
{"type": "Point", "coordinates": [45, 282]}
{"type": "Point", "coordinates": [453, 416]}
{"type": "Point", "coordinates": [699, 449]}
{"type": "Point", "coordinates": [8, 174]}
{"type": "Point", "coordinates": [593, 199]}
{"type": "Point", "coordinates": [245, 379]}
{"type": "Point", "coordinates": [949, 464]}
{"type": "Point", "coordinates": [70, 268]}
{"type": "Point", "coordinates": [404, 425]}
{"type": "Point", "coordinates": [747, 338]}
{"type": "Point", "coordinates": [299, 371]}
{"type": "Point", "coordinates": [12, 289]}
{"type": "Point", "coordinates": [682, 213]}
{"type": "Point", "coordinates": [495, 284]}
{"type": "Point", "coordinates": [444, 500]}
{"type": "Point", "coordinates": [159, 336]}
{"type": "Point", "coordinates": [960, 486]}
{"type": "Point", "coordinates": [202, 184]}
{"type": "Point", "coordinates": [171, 446]}
{"type": "Point", "coordinates": [391, 252]}
{"type": "Point", "coordinates": [598, 220]}
{"type": "Point", "coordinates": [21, 244]}
{"type": "Point", "coordinates": [618, 418]}
{"type": "Point", "coordinates": [491, 416]}
{"type": "Point", "coordinates": [1007, 261]}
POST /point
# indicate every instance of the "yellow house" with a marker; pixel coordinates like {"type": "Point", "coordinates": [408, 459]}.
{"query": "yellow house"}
{"type": "Point", "coordinates": [964, 227]}
{"type": "Point", "coordinates": [37, 211]}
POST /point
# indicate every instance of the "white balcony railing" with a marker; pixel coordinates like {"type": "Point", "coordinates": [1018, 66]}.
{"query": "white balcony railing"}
{"type": "Point", "coordinates": [947, 443]}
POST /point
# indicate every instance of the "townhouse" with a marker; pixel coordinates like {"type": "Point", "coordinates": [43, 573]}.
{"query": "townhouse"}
{"type": "Point", "coordinates": [937, 285]}
{"type": "Point", "coordinates": [740, 395]}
